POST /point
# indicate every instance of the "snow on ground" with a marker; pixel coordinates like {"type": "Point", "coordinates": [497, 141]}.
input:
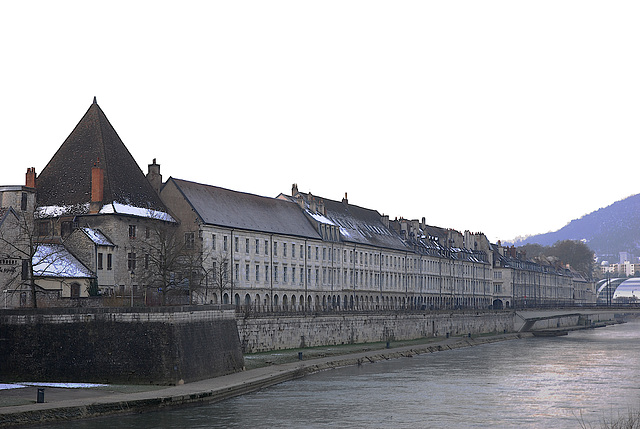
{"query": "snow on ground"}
{"type": "Point", "coordinates": [62, 385]}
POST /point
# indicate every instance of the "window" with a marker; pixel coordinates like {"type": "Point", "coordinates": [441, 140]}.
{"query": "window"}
{"type": "Point", "coordinates": [284, 274]}
{"type": "Point", "coordinates": [317, 253]}
{"type": "Point", "coordinates": [99, 261]}
{"type": "Point", "coordinates": [213, 241]}
{"type": "Point", "coordinates": [275, 274]}
{"type": "Point", "coordinates": [257, 247]}
{"type": "Point", "coordinates": [266, 274]}
{"type": "Point", "coordinates": [225, 243]}
{"type": "Point", "coordinates": [266, 247]}
{"type": "Point", "coordinates": [25, 269]}
{"type": "Point", "coordinates": [132, 232]}
{"type": "Point", "coordinates": [235, 244]}
{"type": "Point", "coordinates": [246, 271]}
{"type": "Point", "coordinates": [293, 272]}
{"type": "Point", "coordinates": [43, 228]}
{"type": "Point", "coordinates": [131, 261]}
{"type": "Point", "coordinates": [275, 248]}
{"type": "Point", "coordinates": [246, 245]}
{"type": "Point", "coordinates": [257, 273]}
{"type": "Point", "coordinates": [237, 273]}
{"type": "Point", "coordinates": [147, 232]}
{"type": "Point", "coordinates": [189, 240]}
{"type": "Point", "coordinates": [284, 250]}
{"type": "Point", "coordinates": [23, 202]}
{"type": "Point", "coordinates": [324, 253]}
{"type": "Point", "coordinates": [146, 261]}
{"type": "Point", "coordinates": [293, 250]}
{"type": "Point", "coordinates": [109, 261]}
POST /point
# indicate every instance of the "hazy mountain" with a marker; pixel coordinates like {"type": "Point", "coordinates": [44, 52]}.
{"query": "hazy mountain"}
{"type": "Point", "coordinates": [607, 231]}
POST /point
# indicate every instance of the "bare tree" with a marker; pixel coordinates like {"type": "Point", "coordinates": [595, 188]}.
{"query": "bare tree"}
{"type": "Point", "coordinates": [163, 260]}
{"type": "Point", "coordinates": [28, 238]}
{"type": "Point", "coordinates": [220, 274]}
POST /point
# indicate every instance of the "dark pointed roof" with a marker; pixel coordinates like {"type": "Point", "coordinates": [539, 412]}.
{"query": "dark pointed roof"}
{"type": "Point", "coordinates": [66, 180]}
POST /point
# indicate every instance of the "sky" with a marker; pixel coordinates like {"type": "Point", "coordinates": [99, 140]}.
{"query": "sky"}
{"type": "Point", "coordinates": [509, 118]}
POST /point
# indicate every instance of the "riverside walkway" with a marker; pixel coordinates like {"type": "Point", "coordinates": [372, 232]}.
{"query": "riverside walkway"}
{"type": "Point", "coordinates": [265, 369]}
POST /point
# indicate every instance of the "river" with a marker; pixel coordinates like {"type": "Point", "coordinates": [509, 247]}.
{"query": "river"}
{"type": "Point", "coordinates": [558, 382]}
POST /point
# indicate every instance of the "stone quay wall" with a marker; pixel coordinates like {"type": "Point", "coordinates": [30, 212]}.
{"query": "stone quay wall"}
{"type": "Point", "coordinates": [119, 346]}
{"type": "Point", "coordinates": [265, 333]}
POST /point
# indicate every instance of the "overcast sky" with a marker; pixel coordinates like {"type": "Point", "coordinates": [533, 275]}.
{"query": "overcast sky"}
{"type": "Point", "coordinates": [506, 117]}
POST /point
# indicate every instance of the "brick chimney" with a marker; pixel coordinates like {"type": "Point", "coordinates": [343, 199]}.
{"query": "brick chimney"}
{"type": "Point", "coordinates": [31, 177]}
{"type": "Point", "coordinates": [97, 188]}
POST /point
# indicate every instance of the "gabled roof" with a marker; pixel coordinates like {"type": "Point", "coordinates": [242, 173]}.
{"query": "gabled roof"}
{"type": "Point", "coordinates": [66, 180]}
{"type": "Point", "coordinates": [232, 209]}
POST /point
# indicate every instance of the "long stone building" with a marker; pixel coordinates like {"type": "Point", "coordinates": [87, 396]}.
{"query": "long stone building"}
{"type": "Point", "coordinates": [151, 242]}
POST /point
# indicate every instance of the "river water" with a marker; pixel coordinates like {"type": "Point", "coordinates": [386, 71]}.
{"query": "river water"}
{"type": "Point", "coordinates": [558, 382]}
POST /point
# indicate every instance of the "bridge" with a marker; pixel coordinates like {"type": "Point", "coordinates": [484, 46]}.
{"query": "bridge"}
{"type": "Point", "coordinates": [560, 321]}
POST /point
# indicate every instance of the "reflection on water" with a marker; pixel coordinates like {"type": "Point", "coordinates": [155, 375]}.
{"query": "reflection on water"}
{"type": "Point", "coordinates": [534, 383]}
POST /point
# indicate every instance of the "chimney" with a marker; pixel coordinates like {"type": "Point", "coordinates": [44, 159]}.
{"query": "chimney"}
{"type": "Point", "coordinates": [294, 190]}
{"type": "Point", "coordinates": [312, 203]}
{"type": "Point", "coordinates": [345, 200]}
{"type": "Point", "coordinates": [97, 188]}
{"type": "Point", "coordinates": [154, 177]}
{"type": "Point", "coordinates": [31, 177]}
{"type": "Point", "coordinates": [385, 220]}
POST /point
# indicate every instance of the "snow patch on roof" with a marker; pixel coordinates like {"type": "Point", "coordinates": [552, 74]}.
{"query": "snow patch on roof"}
{"type": "Point", "coordinates": [57, 211]}
{"type": "Point", "coordinates": [116, 207]}
{"type": "Point", "coordinates": [320, 218]}
{"type": "Point", "coordinates": [97, 237]}
{"type": "Point", "coordinates": [54, 260]}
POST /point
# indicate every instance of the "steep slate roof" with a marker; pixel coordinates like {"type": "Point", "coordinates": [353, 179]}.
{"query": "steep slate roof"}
{"type": "Point", "coordinates": [66, 180]}
{"type": "Point", "coordinates": [232, 209]}
{"type": "Point", "coordinates": [356, 224]}
{"type": "Point", "coordinates": [362, 226]}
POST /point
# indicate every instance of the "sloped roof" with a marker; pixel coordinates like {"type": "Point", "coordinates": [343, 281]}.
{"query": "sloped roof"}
{"type": "Point", "coordinates": [356, 224]}
{"type": "Point", "coordinates": [232, 209]}
{"type": "Point", "coordinates": [66, 180]}
{"type": "Point", "coordinates": [97, 237]}
{"type": "Point", "coordinates": [54, 260]}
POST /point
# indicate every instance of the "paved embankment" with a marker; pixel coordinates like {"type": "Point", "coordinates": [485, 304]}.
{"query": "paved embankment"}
{"type": "Point", "coordinates": [71, 406]}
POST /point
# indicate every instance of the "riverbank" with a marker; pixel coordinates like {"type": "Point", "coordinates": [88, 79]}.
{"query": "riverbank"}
{"type": "Point", "coordinates": [264, 370]}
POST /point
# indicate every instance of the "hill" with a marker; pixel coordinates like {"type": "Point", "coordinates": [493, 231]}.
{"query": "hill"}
{"type": "Point", "coordinates": [607, 231]}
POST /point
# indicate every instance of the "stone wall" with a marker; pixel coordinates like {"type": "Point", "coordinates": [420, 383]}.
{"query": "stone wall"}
{"type": "Point", "coordinates": [119, 346]}
{"type": "Point", "coordinates": [259, 334]}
